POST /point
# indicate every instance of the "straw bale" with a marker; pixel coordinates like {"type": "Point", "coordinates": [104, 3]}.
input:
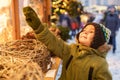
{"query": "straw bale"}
{"type": "Point", "coordinates": [12, 68]}
{"type": "Point", "coordinates": [29, 49]}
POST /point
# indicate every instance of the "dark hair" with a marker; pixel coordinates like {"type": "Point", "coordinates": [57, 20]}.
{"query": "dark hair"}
{"type": "Point", "coordinates": [98, 39]}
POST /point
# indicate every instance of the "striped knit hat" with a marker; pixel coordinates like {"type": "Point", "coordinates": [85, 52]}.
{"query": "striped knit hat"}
{"type": "Point", "coordinates": [102, 35]}
{"type": "Point", "coordinates": [106, 32]}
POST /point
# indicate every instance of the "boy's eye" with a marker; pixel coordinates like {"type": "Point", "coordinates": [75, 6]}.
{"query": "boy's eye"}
{"type": "Point", "coordinates": [88, 31]}
{"type": "Point", "coordinates": [91, 31]}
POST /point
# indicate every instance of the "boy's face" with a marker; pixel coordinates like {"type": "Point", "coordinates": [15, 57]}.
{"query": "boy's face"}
{"type": "Point", "coordinates": [87, 35]}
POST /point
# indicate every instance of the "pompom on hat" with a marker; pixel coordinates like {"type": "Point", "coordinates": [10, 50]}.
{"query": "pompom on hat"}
{"type": "Point", "coordinates": [102, 35]}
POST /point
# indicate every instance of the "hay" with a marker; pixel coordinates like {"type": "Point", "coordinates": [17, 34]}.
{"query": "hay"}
{"type": "Point", "coordinates": [12, 68]}
{"type": "Point", "coordinates": [29, 49]}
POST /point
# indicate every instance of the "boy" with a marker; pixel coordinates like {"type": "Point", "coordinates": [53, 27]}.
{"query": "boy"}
{"type": "Point", "coordinates": [84, 60]}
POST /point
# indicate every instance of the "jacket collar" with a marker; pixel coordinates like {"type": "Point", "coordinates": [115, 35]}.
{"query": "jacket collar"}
{"type": "Point", "coordinates": [82, 51]}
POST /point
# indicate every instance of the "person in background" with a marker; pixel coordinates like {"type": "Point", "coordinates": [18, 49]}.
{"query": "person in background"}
{"type": "Point", "coordinates": [98, 17]}
{"type": "Point", "coordinates": [64, 20]}
{"type": "Point", "coordinates": [112, 22]}
{"type": "Point", "coordinates": [83, 60]}
{"type": "Point", "coordinates": [74, 27]}
{"type": "Point", "coordinates": [91, 17]}
{"type": "Point", "coordinates": [78, 18]}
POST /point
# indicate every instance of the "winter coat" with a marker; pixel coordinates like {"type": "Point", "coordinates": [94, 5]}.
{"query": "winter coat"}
{"type": "Point", "coordinates": [112, 22]}
{"type": "Point", "coordinates": [79, 62]}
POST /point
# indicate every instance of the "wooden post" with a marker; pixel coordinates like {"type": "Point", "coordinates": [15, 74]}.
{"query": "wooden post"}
{"type": "Point", "coordinates": [15, 19]}
{"type": "Point", "coordinates": [47, 11]}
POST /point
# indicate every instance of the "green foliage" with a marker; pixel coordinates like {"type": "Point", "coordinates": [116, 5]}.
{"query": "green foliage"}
{"type": "Point", "coordinates": [64, 32]}
{"type": "Point", "coordinates": [60, 32]}
{"type": "Point", "coordinates": [73, 7]}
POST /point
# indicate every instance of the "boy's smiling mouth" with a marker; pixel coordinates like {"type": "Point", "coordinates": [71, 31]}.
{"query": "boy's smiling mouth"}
{"type": "Point", "coordinates": [84, 37]}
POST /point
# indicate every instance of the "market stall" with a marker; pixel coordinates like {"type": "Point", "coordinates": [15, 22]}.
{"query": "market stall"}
{"type": "Point", "coordinates": [21, 53]}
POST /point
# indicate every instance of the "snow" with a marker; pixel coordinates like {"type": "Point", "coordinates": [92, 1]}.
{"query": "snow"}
{"type": "Point", "coordinates": [112, 59]}
{"type": "Point", "coordinates": [114, 65]}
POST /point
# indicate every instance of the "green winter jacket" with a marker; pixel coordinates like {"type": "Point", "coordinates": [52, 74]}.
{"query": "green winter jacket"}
{"type": "Point", "coordinates": [79, 62]}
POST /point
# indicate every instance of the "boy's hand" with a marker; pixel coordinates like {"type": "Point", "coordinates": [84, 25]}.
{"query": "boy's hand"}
{"type": "Point", "coordinates": [31, 17]}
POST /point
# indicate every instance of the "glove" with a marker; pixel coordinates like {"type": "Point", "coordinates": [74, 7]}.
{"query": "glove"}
{"type": "Point", "coordinates": [31, 18]}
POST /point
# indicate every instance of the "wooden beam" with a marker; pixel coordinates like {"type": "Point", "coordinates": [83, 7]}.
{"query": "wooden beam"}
{"type": "Point", "coordinates": [47, 11]}
{"type": "Point", "coordinates": [15, 19]}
